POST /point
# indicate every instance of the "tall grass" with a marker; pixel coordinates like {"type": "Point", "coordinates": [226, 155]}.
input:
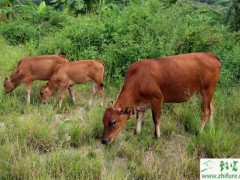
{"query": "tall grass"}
{"type": "Point", "coordinates": [44, 142]}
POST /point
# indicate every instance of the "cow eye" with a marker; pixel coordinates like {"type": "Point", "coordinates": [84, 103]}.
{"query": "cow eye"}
{"type": "Point", "coordinates": [113, 123]}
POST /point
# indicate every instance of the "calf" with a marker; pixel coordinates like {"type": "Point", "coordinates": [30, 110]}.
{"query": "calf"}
{"type": "Point", "coordinates": [151, 82]}
{"type": "Point", "coordinates": [33, 68]}
{"type": "Point", "coordinates": [72, 73]}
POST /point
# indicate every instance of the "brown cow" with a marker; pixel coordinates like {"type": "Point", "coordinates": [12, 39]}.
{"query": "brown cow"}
{"type": "Point", "coordinates": [72, 73]}
{"type": "Point", "coordinates": [33, 68]}
{"type": "Point", "coordinates": [152, 82]}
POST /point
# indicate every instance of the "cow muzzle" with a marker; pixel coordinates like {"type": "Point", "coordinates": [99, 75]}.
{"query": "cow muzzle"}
{"type": "Point", "coordinates": [106, 141]}
{"type": "Point", "coordinates": [8, 93]}
{"type": "Point", "coordinates": [44, 101]}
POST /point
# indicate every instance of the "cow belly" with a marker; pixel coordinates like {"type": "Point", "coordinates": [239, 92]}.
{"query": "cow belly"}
{"type": "Point", "coordinates": [178, 95]}
{"type": "Point", "coordinates": [42, 76]}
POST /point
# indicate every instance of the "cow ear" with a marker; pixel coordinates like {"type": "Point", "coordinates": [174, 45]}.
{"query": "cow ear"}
{"type": "Point", "coordinates": [110, 104]}
{"type": "Point", "coordinates": [8, 79]}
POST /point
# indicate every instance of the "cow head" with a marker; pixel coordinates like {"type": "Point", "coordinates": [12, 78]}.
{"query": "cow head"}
{"type": "Point", "coordinates": [45, 92]}
{"type": "Point", "coordinates": [113, 121]}
{"type": "Point", "coordinates": [8, 86]}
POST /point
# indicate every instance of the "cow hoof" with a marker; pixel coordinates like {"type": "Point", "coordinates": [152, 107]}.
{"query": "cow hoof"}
{"type": "Point", "coordinates": [136, 132]}
{"type": "Point", "coordinates": [157, 136]}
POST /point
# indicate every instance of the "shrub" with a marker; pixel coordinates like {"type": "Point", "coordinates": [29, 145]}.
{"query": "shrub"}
{"type": "Point", "coordinates": [49, 21]}
{"type": "Point", "coordinates": [19, 32]}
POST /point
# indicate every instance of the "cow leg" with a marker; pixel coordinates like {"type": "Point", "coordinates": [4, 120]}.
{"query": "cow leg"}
{"type": "Point", "coordinates": [94, 89]}
{"type": "Point", "coordinates": [211, 115]}
{"type": "Point", "coordinates": [28, 90]}
{"type": "Point", "coordinates": [97, 89]}
{"type": "Point", "coordinates": [98, 84]}
{"type": "Point", "coordinates": [72, 94]}
{"type": "Point", "coordinates": [100, 92]}
{"type": "Point", "coordinates": [63, 89]}
{"type": "Point", "coordinates": [206, 108]}
{"type": "Point", "coordinates": [139, 121]}
{"type": "Point", "coordinates": [156, 107]}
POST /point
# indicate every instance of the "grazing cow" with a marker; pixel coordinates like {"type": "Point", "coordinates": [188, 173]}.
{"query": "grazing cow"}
{"type": "Point", "coordinates": [33, 68]}
{"type": "Point", "coordinates": [152, 82]}
{"type": "Point", "coordinates": [72, 73]}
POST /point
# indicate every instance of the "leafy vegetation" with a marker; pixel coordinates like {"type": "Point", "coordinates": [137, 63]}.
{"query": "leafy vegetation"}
{"type": "Point", "coordinates": [41, 141]}
{"type": "Point", "coordinates": [233, 14]}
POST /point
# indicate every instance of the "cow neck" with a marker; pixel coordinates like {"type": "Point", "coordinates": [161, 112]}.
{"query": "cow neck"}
{"type": "Point", "coordinates": [52, 85]}
{"type": "Point", "coordinates": [124, 100]}
{"type": "Point", "coordinates": [15, 79]}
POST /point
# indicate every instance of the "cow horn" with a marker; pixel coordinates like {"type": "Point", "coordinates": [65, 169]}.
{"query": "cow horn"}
{"type": "Point", "coordinates": [110, 104]}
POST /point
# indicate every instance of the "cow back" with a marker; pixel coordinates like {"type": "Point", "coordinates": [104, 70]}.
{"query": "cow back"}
{"type": "Point", "coordinates": [41, 67]}
{"type": "Point", "coordinates": [175, 78]}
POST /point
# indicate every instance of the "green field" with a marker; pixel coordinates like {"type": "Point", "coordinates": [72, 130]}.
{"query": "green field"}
{"type": "Point", "coordinates": [43, 141]}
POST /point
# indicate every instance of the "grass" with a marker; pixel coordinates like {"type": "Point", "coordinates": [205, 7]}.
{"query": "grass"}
{"type": "Point", "coordinates": [41, 141]}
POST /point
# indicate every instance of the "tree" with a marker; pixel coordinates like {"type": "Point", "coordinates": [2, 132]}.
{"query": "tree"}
{"type": "Point", "coordinates": [233, 14]}
{"type": "Point", "coordinates": [84, 6]}
{"type": "Point", "coordinates": [8, 8]}
{"type": "Point", "coordinates": [72, 6]}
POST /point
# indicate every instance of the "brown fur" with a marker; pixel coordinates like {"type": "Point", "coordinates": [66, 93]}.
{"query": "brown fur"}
{"type": "Point", "coordinates": [152, 82]}
{"type": "Point", "coordinates": [74, 73]}
{"type": "Point", "coordinates": [32, 68]}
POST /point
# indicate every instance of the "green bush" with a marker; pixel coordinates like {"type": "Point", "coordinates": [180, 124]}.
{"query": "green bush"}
{"type": "Point", "coordinates": [49, 21]}
{"type": "Point", "coordinates": [228, 53]}
{"type": "Point", "coordinates": [19, 32]}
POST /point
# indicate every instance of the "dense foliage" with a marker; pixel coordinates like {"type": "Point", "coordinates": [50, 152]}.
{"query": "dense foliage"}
{"type": "Point", "coordinates": [119, 36]}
